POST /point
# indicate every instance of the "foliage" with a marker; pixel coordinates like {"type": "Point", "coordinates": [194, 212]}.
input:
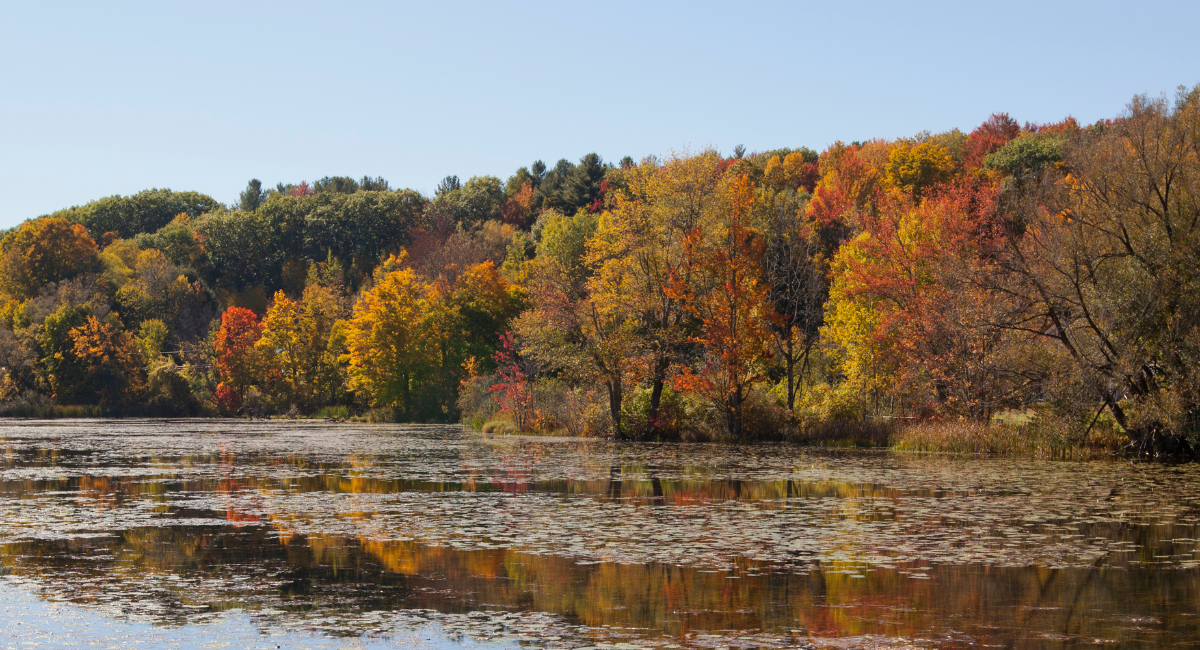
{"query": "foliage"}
{"type": "Point", "coordinates": [301, 341]}
{"type": "Point", "coordinates": [513, 390]}
{"type": "Point", "coordinates": [144, 212]}
{"type": "Point", "coordinates": [946, 277]}
{"type": "Point", "coordinates": [918, 166]}
{"type": "Point", "coordinates": [1025, 155]}
{"type": "Point", "coordinates": [638, 255]}
{"type": "Point", "coordinates": [44, 250]}
{"type": "Point", "coordinates": [237, 358]}
{"type": "Point", "coordinates": [1106, 268]}
{"type": "Point", "coordinates": [728, 297]}
{"type": "Point", "coordinates": [391, 340]}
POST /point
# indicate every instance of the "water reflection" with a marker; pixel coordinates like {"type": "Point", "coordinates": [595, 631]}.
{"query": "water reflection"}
{"type": "Point", "coordinates": [184, 572]}
{"type": "Point", "coordinates": [352, 530]}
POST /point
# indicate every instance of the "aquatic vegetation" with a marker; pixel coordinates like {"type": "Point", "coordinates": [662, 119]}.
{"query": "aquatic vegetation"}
{"type": "Point", "coordinates": [381, 529]}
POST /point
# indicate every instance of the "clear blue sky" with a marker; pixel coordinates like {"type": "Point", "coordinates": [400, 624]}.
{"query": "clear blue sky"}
{"type": "Point", "coordinates": [111, 99]}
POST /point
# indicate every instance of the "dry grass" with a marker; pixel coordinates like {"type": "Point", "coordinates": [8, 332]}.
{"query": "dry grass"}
{"type": "Point", "coordinates": [846, 433]}
{"type": "Point", "coordinates": [1033, 440]}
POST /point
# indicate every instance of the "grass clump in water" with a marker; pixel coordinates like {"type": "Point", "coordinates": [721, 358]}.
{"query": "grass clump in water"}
{"type": "Point", "coordinates": [1039, 438]}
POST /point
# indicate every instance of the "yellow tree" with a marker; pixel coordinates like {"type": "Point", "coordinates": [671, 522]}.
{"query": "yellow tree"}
{"type": "Point", "coordinates": [789, 172]}
{"type": "Point", "coordinates": [637, 255]}
{"type": "Point", "coordinates": [730, 301]}
{"type": "Point", "coordinates": [570, 331]}
{"type": "Point", "coordinates": [300, 343]}
{"type": "Point", "coordinates": [915, 167]}
{"type": "Point", "coordinates": [852, 318]}
{"type": "Point", "coordinates": [391, 346]}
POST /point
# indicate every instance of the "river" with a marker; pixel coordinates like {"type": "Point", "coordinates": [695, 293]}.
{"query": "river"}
{"type": "Point", "coordinates": [220, 533]}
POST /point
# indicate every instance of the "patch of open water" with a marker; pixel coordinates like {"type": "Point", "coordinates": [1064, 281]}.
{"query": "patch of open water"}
{"type": "Point", "coordinates": [353, 535]}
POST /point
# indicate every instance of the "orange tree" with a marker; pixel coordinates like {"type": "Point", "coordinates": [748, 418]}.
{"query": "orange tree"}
{"type": "Point", "coordinates": [44, 250]}
{"type": "Point", "coordinates": [911, 314]}
{"type": "Point", "coordinates": [110, 361]}
{"type": "Point", "coordinates": [730, 301]}
{"type": "Point", "coordinates": [237, 365]}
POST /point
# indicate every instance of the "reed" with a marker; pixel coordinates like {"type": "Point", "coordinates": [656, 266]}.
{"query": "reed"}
{"type": "Point", "coordinates": [1038, 439]}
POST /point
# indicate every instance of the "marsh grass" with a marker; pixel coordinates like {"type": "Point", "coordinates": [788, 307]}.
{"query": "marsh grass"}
{"type": "Point", "coordinates": [845, 433]}
{"type": "Point", "coordinates": [1034, 439]}
{"type": "Point", "coordinates": [334, 413]}
{"type": "Point", "coordinates": [501, 426]}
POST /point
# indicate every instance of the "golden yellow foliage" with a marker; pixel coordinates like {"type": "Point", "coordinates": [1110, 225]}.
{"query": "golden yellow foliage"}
{"type": "Point", "coordinates": [388, 339]}
{"type": "Point", "coordinates": [914, 167]}
{"type": "Point", "coordinates": [299, 343]}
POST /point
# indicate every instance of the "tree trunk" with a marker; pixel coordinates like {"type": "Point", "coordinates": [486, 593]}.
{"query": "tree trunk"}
{"type": "Point", "coordinates": [733, 416]}
{"type": "Point", "coordinates": [791, 373]}
{"type": "Point", "coordinates": [658, 381]}
{"type": "Point", "coordinates": [614, 407]}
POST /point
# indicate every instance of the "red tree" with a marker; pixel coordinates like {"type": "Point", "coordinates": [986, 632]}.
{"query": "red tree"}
{"type": "Point", "coordinates": [234, 346]}
{"type": "Point", "coordinates": [514, 391]}
{"type": "Point", "coordinates": [988, 137]}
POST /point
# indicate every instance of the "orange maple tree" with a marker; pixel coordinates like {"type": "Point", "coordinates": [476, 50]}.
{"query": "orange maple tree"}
{"type": "Point", "coordinates": [730, 300]}
{"type": "Point", "coordinates": [234, 346]}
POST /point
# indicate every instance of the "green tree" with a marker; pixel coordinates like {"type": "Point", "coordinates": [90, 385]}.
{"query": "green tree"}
{"type": "Point", "coordinates": [252, 196]}
{"type": "Point", "coordinates": [146, 211]}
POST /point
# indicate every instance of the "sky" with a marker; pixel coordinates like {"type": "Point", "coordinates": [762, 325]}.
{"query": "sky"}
{"type": "Point", "coordinates": [99, 99]}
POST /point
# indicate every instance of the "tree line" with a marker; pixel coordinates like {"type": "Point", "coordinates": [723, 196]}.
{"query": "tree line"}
{"type": "Point", "coordinates": [1044, 271]}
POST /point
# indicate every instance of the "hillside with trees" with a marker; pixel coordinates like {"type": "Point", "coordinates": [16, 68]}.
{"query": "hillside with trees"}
{"type": "Point", "coordinates": [1040, 277]}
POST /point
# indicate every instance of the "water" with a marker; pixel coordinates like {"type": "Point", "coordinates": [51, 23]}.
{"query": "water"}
{"type": "Point", "coordinates": [237, 534]}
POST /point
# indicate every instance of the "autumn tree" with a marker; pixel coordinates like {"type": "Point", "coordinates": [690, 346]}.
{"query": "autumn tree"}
{"type": "Point", "coordinates": [518, 209]}
{"type": "Point", "coordinates": [791, 171]}
{"type": "Point", "coordinates": [997, 131]}
{"type": "Point", "coordinates": [638, 255]}
{"type": "Point", "coordinates": [301, 340]}
{"type": "Point", "coordinates": [796, 269]}
{"type": "Point", "coordinates": [1106, 267]}
{"type": "Point", "coordinates": [914, 167]}
{"type": "Point", "coordinates": [911, 306]}
{"type": "Point", "coordinates": [850, 186]}
{"type": "Point", "coordinates": [514, 389]}
{"type": "Point", "coordinates": [730, 301]}
{"type": "Point", "coordinates": [89, 360]}
{"type": "Point", "coordinates": [483, 302]}
{"type": "Point", "coordinates": [44, 250]}
{"type": "Point", "coordinates": [390, 345]}
{"type": "Point", "coordinates": [110, 361]}
{"type": "Point", "coordinates": [237, 361]}
{"type": "Point", "coordinates": [571, 328]}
